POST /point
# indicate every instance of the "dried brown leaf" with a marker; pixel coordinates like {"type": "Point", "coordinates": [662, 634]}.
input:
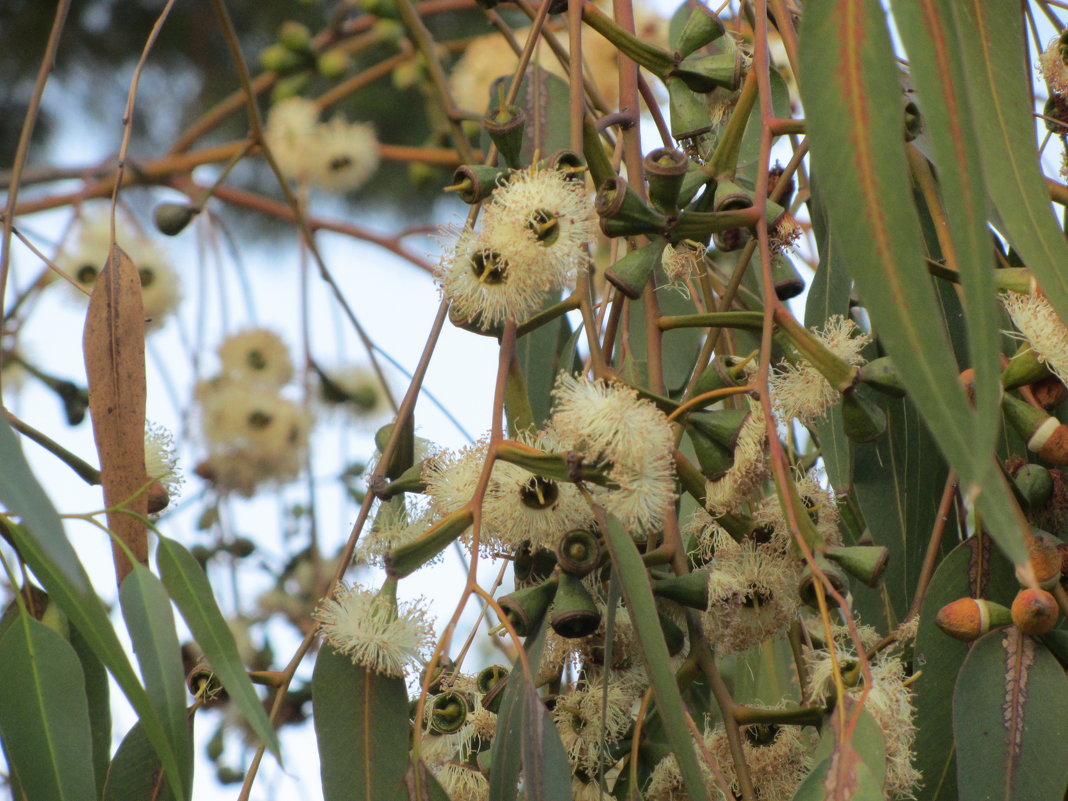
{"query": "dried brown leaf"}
{"type": "Point", "coordinates": [114, 348]}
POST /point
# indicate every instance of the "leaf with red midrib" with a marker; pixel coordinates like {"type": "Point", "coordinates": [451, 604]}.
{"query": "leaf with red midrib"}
{"type": "Point", "coordinates": [1010, 720]}
{"type": "Point", "coordinates": [114, 348]}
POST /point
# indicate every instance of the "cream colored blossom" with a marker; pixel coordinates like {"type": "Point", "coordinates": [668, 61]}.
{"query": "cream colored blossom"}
{"type": "Point", "coordinates": [374, 631]}
{"type": "Point", "coordinates": [395, 524]}
{"type": "Point", "coordinates": [346, 155]}
{"type": "Point", "coordinates": [608, 424]}
{"type": "Point", "coordinates": [799, 391]}
{"type": "Point", "coordinates": [590, 717]}
{"type": "Point", "coordinates": [726, 492]}
{"type": "Point", "coordinates": [253, 436]}
{"type": "Point", "coordinates": [889, 702]}
{"type": "Point", "coordinates": [1051, 65]}
{"type": "Point", "coordinates": [1038, 323]}
{"type": "Point", "coordinates": [334, 156]}
{"type": "Point", "coordinates": [486, 283]}
{"type": "Point", "coordinates": [778, 758]}
{"type": "Point", "coordinates": [256, 354]}
{"type": "Point", "coordinates": [683, 260]}
{"type": "Point", "coordinates": [357, 390]}
{"type": "Point", "coordinates": [542, 220]}
{"type": "Point", "coordinates": [161, 460]}
{"type": "Point", "coordinates": [290, 127]}
{"type": "Point", "coordinates": [463, 782]}
{"type": "Point", "coordinates": [821, 508]}
{"type": "Point", "coordinates": [517, 507]}
{"type": "Point", "coordinates": [160, 288]}
{"type": "Point", "coordinates": [752, 595]}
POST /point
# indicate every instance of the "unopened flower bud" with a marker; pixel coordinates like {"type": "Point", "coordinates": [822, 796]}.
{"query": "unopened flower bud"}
{"type": "Point", "coordinates": [172, 218]}
{"type": "Point", "coordinates": [294, 35]}
{"type": "Point", "coordinates": [967, 619]}
{"type": "Point", "coordinates": [1034, 611]}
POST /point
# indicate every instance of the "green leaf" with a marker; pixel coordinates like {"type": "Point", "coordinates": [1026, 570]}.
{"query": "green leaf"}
{"type": "Point", "coordinates": [98, 694]}
{"type": "Point", "coordinates": [44, 716]}
{"type": "Point", "coordinates": [634, 582]}
{"type": "Point", "coordinates": [540, 359]}
{"type": "Point", "coordinates": [991, 44]}
{"type": "Point", "coordinates": [361, 725]}
{"type": "Point", "coordinates": [23, 496]}
{"type": "Point", "coordinates": [927, 30]}
{"type": "Point", "coordinates": [898, 482]}
{"type": "Point", "coordinates": [852, 98]}
{"type": "Point", "coordinates": [827, 296]}
{"type": "Point", "coordinates": [189, 589]}
{"type": "Point", "coordinates": [87, 613]}
{"type": "Point", "coordinates": [546, 772]}
{"type": "Point", "coordinates": [858, 768]}
{"type": "Point", "coordinates": [973, 569]}
{"type": "Point", "coordinates": [1010, 721]}
{"type": "Point", "coordinates": [511, 720]}
{"type": "Point", "coordinates": [136, 773]}
{"type": "Point", "coordinates": [146, 608]}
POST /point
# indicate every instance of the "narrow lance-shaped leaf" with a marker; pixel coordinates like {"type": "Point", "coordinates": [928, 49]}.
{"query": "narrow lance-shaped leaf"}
{"type": "Point", "coordinates": [927, 29]}
{"type": "Point", "coordinates": [114, 345]}
{"type": "Point", "coordinates": [87, 613]}
{"type": "Point", "coordinates": [853, 103]}
{"type": "Point", "coordinates": [44, 716]}
{"type": "Point", "coordinates": [189, 589]}
{"type": "Point", "coordinates": [634, 582]}
{"type": "Point", "coordinates": [361, 725]}
{"type": "Point", "coordinates": [147, 611]}
{"type": "Point", "coordinates": [990, 40]}
{"type": "Point", "coordinates": [1010, 721]}
{"type": "Point", "coordinates": [23, 496]}
{"type": "Point", "coordinates": [505, 767]}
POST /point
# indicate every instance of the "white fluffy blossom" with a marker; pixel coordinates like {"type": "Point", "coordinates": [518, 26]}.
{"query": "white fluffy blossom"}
{"type": "Point", "coordinates": [608, 424]}
{"type": "Point", "coordinates": [799, 391]}
{"type": "Point", "coordinates": [1038, 323]}
{"type": "Point", "coordinates": [374, 631]}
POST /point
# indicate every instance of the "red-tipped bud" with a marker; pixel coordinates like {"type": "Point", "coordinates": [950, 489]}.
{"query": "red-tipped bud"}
{"type": "Point", "coordinates": [968, 619]}
{"type": "Point", "coordinates": [1034, 611]}
{"type": "Point", "coordinates": [1044, 559]}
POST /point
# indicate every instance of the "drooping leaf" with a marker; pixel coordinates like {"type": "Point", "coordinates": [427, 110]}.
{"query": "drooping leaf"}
{"type": "Point", "coordinates": [98, 694]}
{"type": "Point", "coordinates": [87, 613]}
{"type": "Point", "coordinates": [23, 496]}
{"type": "Point", "coordinates": [511, 719]}
{"type": "Point", "coordinates": [189, 589]}
{"type": "Point", "coordinates": [937, 71]}
{"type": "Point", "coordinates": [898, 482]}
{"type": "Point", "coordinates": [972, 569]}
{"type": "Point", "coordinates": [1010, 720]}
{"type": "Point", "coordinates": [146, 608]}
{"type": "Point", "coordinates": [828, 295]}
{"type": "Point", "coordinates": [361, 725]}
{"type": "Point", "coordinates": [136, 773]}
{"type": "Point", "coordinates": [114, 346]}
{"type": "Point", "coordinates": [44, 715]}
{"type": "Point", "coordinates": [990, 41]}
{"type": "Point", "coordinates": [541, 358]}
{"type": "Point", "coordinates": [852, 98]}
{"type": "Point", "coordinates": [546, 772]}
{"type": "Point", "coordinates": [634, 583]}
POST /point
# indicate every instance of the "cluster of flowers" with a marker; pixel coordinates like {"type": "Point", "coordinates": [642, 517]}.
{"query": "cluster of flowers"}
{"type": "Point", "coordinates": [160, 288]}
{"type": "Point", "coordinates": [750, 593]}
{"type": "Point", "coordinates": [534, 238]}
{"type": "Point", "coordinates": [1053, 66]}
{"type": "Point", "coordinates": [254, 435]}
{"type": "Point", "coordinates": [335, 156]}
